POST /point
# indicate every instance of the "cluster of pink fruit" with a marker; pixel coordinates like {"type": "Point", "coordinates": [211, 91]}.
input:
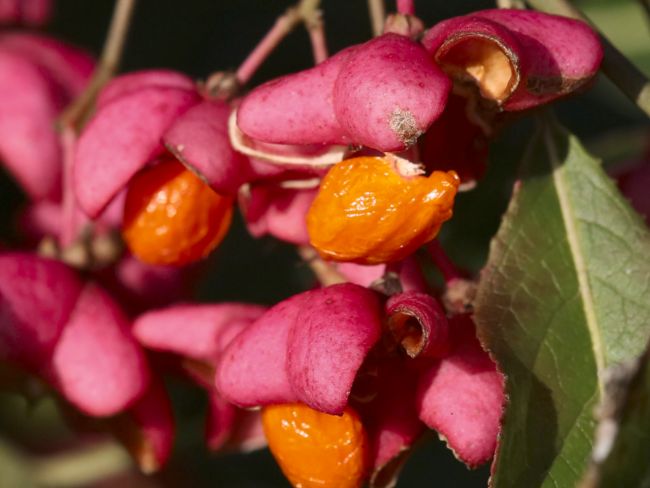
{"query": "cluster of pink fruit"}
{"type": "Point", "coordinates": [407, 102]}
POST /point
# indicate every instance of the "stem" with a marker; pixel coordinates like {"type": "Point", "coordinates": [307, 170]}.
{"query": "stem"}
{"type": "Point", "coordinates": [377, 12]}
{"type": "Point", "coordinates": [510, 4]}
{"type": "Point", "coordinates": [306, 11]}
{"type": "Point", "coordinates": [77, 113]}
{"type": "Point", "coordinates": [325, 272]}
{"type": "Point", "coordinates": [283, 26]}
{"type": "Point", "coordinates": [446, 266]}
{"type": "Point", "coordinates": [317, 37]}
{"type": "Point", "coordinates": [620, 70]}
{"type": "Point", "coordinates": [70, 216]}
{"type": "Point", "coordinates": [406, 7]}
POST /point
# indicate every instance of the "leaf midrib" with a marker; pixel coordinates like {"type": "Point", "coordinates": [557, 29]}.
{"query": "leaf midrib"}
{"type": "Point", "coordinates": [573, 238]}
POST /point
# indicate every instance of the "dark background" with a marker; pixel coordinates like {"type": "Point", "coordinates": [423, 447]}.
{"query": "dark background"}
{"type": "Point", "coordinates": [202, 36]}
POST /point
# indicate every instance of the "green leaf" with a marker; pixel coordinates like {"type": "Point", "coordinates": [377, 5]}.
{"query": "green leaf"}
{"type": "Point", "coordinates": [565, 293]}
{"type": "Point", "coordinates": [622, 448]}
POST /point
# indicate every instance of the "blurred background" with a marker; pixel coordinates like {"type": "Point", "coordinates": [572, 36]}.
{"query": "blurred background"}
{"type": "Point", "coordinates": [202, 36]}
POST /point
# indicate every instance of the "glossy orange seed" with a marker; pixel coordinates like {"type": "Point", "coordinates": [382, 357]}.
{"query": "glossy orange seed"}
{"type": "Point", "coordinates": [171, 217]}
{"type": "Point", "coordinates": [368, 212]}
{"type": "Point", "coordinates": [315, 449]}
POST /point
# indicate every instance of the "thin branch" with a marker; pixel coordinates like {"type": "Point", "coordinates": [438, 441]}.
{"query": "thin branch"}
{"type": "Point", "coordinates": [282, 27]}
{"type": "Point", "coordinates": [327, 275]}
{"type": "Point", "coordinates": [305, 11]}
{"type": "Point", "coordinates": [316, 31]}
{"type": "Point", "coordinates": [510, 4]}
{"type": "Point", "coordinates": [377, 12]}
{"type": "Point", "coordinates": [620, 70]}
{"type": "Point", "coordinates": [76, 114]}
{"type": "Point", "coordinates": [70, 224]}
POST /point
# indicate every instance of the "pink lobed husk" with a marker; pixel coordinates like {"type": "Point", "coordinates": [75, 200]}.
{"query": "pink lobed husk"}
{"type": "Point", "coordinates": [307, 348]}
{"type": "Point", "coordinates": [388, 93]}
{"type": "Point", "coordinates": [453, 142]}
{"type": "Point", "coordinates": [221, 420]}
{"type": "Point", "coordinates": [332, 334]}
{"type": "Point", "coordinates": [97, 364]}
{"type": "Point", "coordinates": [197, 331]}
{"type": "Point", "coordinates": [37, 298]}
{"type": "Point", "coordinates": [418, 323]}
{"type": "Point", "coordinates": [252, 369]}
{"type": "Point", "coordinates": [296, 109]}
{"type": "Point", "coordinates": [551, 55]}
{"type": "Point", "coordinates": [69, 66]}
{"type": "Point", "coordinates": [154, 428]}
{"type": "Point", "coordinates": [383, 395]}
{"type": "Point", "coordinates": [199, 139]}
{"type": "Point", "coordinates": [462, 396]}
{"type": "Point", "coordinates": [122, 138]}
{"type": "Point", "coordinates": [281, 212]}
{"type": "Point", "coordinates": [27, 114]}
{"type": "Point", "coordinates": [130, 82]}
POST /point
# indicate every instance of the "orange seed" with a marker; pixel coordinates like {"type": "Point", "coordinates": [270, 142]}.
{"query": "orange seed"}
{"type": "Point", "coordinates": [368, 212]}
{"type": "Point", "coordinates": [315, 449]}
{"type": "Point", "coordinates": [171, 217]}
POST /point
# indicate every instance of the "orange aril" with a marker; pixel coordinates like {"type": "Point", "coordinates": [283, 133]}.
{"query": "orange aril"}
{"type": "Point", "coordinates": [373, 210]}
{"type": "Point", "coordinates": [315, 449]}
{"type": "Point", "coordinates": [171, 217]}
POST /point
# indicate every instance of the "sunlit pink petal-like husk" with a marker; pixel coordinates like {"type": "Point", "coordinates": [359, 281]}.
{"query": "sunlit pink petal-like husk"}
{"type": "Point", "coordinates": [130, 82]}
{"type": "Point", "coordinates": [388, 93]}
{"type": "Point", "coordinates": [200, 140]}
{"type": "Point", "coordinates": [154, 419]}
{"type": "Point", "coordinates": [69, 66]}
{"type": "Point", "coordinates": [384, 397]}
{"type": "Point", "coordinates": [332, 334]}
{"type": "Point", "coordinates": [297, 108]}
{"type": "Point", "coordinates": [280, 212]}
{"type": "Point", "coordinates": [252, 370]}
{"type": "Point", "coordinates": [120, 139]}
{"type": "Point", "coordinates": [419, 323]}
{"type": "Point", "coordinates": [29, 146]}
{"type": "Point", "coordinates": [220, 421]}
{"type": "Point", "coordinates": [196, 331]}
{"type": "Point", "coordinates": [37, 296]}
{"type": "Point", "coordinates": [462, 397]}
{"type": "Point", "coordinates": [555, 55]}
{"type": "Point", "coordinates": [97, 364]}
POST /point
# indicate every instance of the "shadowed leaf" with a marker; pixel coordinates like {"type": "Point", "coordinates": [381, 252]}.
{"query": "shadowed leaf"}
{"type": "Point", "coordinates": [563, 296]}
